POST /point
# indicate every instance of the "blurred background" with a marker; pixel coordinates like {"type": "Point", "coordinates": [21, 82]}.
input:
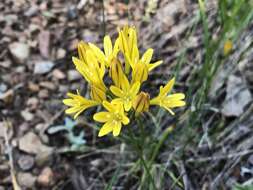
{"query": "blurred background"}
{"type": "Point", "coordinates": [207, 46]}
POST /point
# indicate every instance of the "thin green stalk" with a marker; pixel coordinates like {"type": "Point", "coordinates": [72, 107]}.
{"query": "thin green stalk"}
{"type": "Point", "coordinates": [158, 146]}
{"type": "Point", "coordinates": [140, 154]}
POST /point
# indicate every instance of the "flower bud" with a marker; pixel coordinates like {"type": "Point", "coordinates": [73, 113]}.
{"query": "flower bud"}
{"type": "Point", "coordinates": [141, 102]}
{"type": "Point", "coordinates": [82, 47]}
{"type": "Point", "coordinates": [228, 46]}
{"type": "Point", "coordinates": [97, 94]}
{"type": "Point", "coordinates": [116, 72]}
{"type": "Point", "coordinates": [140, 73]}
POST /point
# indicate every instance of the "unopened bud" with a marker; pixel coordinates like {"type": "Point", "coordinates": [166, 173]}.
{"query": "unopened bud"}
{"type": "Point", "coordinates": [116, 72]}
{"type": "Point", "coordinates": [228, 46]}
{"type": "Point", "coordinates": [141, 102]}
{"type": "Point", "coordinates": [82, 48]}
{"type": "Point", "coordinates": [97, 94]}
{"type": "Point", "coordinates": [140, 73]}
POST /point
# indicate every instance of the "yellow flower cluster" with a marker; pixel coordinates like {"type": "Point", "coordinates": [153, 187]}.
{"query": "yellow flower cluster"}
{"type": "Point", "coordinates": [127, 70]}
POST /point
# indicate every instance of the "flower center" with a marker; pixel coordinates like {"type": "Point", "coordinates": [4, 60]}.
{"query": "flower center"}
{"type": "Point", "coordinates": [117, 117]}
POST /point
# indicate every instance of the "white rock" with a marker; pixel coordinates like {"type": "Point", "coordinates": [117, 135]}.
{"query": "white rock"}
{"type": "Point", "coordinates": [43, 67]}
{"type": "Point", "coordinates": [26, 180]}
{"type": "Point", "coordinates": [28, 116]}
{"type": "Point", "coordinates": [31, 143]}
{"type": "Point", "coordinates": [238, 96]}
{"type": "Point", "coordinates": [74, 75]}
{"type": "Point", "coordinates": [19, 51]}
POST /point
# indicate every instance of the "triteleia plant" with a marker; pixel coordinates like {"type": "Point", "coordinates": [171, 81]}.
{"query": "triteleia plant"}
{"type": "Point", "coordinates": [122, 100]}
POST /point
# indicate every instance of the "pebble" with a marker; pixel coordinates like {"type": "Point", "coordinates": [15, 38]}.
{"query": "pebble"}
{"type": "Point", "coordinates": [19, 51]}
{"type": "Point", "coordinates": [33, 87]}
{"type": "Point", "coordinates": [2, 129]}
{"type": "Point", "coordinates": [43, 94]}
{"type": "Point", "coordinates": [20, 69]}
{"type": "Point", "coordinates": [5, 64]}
{"type": "Point", "coordinates": [63, 89]}
{"type": "Point", "coordinates": [26, 162]}
{"type": "Point", "coordinates": [43, 67]}
{"type": "Point", "coordinates": [32, 11]}
{"type": "Point", "coordinates": [32, 103]}
{"type": "Point", "coordinates": [28, 116]}
{"type": "Point", "coordinates": [74, 75]}
{"type": "Point", "coordinates": [46, 177]}
{"type": "Point", "coordinates": [7, 96]}
{"type": "Point", "coordinates": [43, 158]}
{"type": "Point", "coordinates": [3, 88]}
{"type": "Point", "coordinates": [58, 74]}
{"type": "Point", "coordinates": [31, 143]}
{"type": "Point", "coordinates": [26, 180]}
{"type": "Point", "coordinates": [44, 43]}
{"type": "Point", "coordinates": [48, 85]}
{"type": "Point", "coordinates": [61, 53]}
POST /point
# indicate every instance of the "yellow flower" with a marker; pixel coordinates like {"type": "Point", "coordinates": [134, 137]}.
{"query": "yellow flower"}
{"type": "Point", "coordinates": [128, 46]}
{"type": "Point", "coordinates": [97, 94]}
{"type": "Point", "coordinates": [168, 101]}
{"type": "Point", "coordinates": [141, 102]}
{"type": "Point", "coordinates": [109, 51]}
{"type": "Point", "coordinates": [78, 104]}
{"type": "Point", "coordinates": [82, 47]}
{"type": "Point", "coordinates": [116, 72]}
{"type": "Point", "coordinates": [127, 72]}
{"type": "Point", "coordinates": [139, 73]}
{"type": "Point", "coordinates": [113, 119]}
{"type": "Point", "coordinates": [126, 93]}
{"type": "Point", "coordinates": [89, 67]}
{"type": "Point", "coordinates": [228, 46]}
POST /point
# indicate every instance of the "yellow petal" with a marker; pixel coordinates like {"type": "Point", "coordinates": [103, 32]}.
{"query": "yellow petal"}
{"type": "Point", "coordinates": [116, 129]}
{"type": "Point", "coordinates": [97, 94]}
{"type": "Point", "coordinates": [135, 56]}
{"type": "Point", "coordinates": [117, 101]}
{"type": "Point", "coordinates": [127, 105]}
{"type": "Point", "coordinates": [167, 88]}
{"type": "Point", "coordinates": [168, 109]}
{"type": "Point", "coordinates": [154, 65]}
{"type": "Point", "coordinates": [102, 117]}
{"type": "Point", "coordinates": [147, 56]}
{"type": "Point", "coordinates": [155, 101]}
{"type": "Point", "coordinates": [116, 48]}
{"type": "Point", "coordinates": [125, 84]}
{"type": "Point", "coordinates": [176, 96]}
{"type": "Point", "coordinates": [140, 73]}
{"type": "Point", "coordinates": [135, 88]}
{"type": "Point", "coordinates": [116, 91]}
{"type": "Point", "coordinates": [69, 102]}
{"type": "Point", "coordinates": [125, 120]}
{"type": "Point", "coordinates": [72, 110]}
{"type": "Point", "coordinates": [106, 128]}
{"type": "Point", "coordinates": [78, 113]}
{"type": "Point", "coordinates": [175, 103]}
{"type": "Point", "coordinates": [107, 45]}
{"type": "Point", "coordinates": [99, 54]}
{"type": "Point", "coordinates": [110, 107]}
{"type": "Point", "coordinates": [82, 48]}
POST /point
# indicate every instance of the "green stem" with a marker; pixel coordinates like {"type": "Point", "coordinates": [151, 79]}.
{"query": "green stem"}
{"type": "Point", "coordinates": [140, 154]}
{"type": "Point", "coordinates": [158, 146]}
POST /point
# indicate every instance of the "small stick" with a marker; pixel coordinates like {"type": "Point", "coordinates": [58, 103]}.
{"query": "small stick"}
{"type": "Point", "coordinates": [9, 152]}
{"type": "Point", "coordinates": [220, 157]}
